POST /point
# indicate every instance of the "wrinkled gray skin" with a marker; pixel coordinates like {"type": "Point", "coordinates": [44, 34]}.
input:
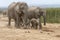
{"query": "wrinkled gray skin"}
{"type": "Point", "coordinates": [34, 23]}
{"type": "Point", "coordinates": [32, 12]}
{"type": "Point", "coordinates": [23, 8]}
{"type": "Point", "coordinates": [14, 13]}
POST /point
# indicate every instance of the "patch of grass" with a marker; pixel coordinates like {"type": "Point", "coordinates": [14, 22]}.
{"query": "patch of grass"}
{"type": "Point", "coordinates": [52, 15]}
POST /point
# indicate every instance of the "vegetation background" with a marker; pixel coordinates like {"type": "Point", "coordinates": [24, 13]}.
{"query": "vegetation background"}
{"type": "Point", "coordinates": [53, 15]}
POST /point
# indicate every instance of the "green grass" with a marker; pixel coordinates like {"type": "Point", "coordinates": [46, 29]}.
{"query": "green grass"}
{"type": "Point", "coordinates": [53, 15]}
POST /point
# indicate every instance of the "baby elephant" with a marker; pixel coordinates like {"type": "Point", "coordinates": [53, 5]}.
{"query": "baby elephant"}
{"type": "Point", "coordinates": [34, 23]}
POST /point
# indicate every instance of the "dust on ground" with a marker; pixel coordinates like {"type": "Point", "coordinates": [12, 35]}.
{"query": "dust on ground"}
{"type": "Point", "coordinates": [49, 32]}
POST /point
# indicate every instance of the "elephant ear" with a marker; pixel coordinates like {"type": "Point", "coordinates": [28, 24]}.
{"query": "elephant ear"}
{"type": "Point", "coordinates": [26, 5]}
{"type": "Point", "coordinates": [23, 6]}
{"type": "Point", "coordinates": [12, 5]}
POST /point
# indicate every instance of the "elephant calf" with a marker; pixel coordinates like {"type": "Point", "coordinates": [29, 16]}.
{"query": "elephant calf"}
{"type": "Point", "coordinates": [34, 23]}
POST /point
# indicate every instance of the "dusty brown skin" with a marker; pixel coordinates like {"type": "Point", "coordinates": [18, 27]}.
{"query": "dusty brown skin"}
{"type": "Point", "coordinates": [34, 23]}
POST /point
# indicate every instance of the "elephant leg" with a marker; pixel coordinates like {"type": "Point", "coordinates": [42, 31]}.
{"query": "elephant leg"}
{"type": "Point", "coordinates": [9, 22]}
{"type": "Point", "coordinates": [44, 19]}
{"type": "Point", "coordinates": [17, 21]}
{"type": "Point", "coordinates": [40, 25]}
{"type": "Point", "coordinates": [16, 24]}
{"type": "Point", "coordinates": [20, 22]}
{"type": "Point", "coordinates": [31, 26]}
{"type": "Point", "coordinates": [25, 22]}
{"type": "Point", "coordinates": [36, 26]}
{"type": "Point", "coordinates": [28, 23]}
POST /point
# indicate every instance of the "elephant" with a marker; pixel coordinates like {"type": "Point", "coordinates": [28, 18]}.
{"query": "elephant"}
{"type": "Point", "coordinates": [23, 9]}
{"type": "Point", "coordinates": [37, 12]}
{"type": "Point", "coordinates": [31, 12]}
{"type": "Point", "coordinates": [34, 23]}
{"type": "Point", "coordinates": [34, 12]}
{"type": "Point", "coordinates": [4, 12]}
{"type": "Point", "coordinates": [14, 13]}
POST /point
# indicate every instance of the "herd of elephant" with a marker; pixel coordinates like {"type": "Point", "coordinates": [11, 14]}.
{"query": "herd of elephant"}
{"type": "Point", "coordinates": [24, 15]}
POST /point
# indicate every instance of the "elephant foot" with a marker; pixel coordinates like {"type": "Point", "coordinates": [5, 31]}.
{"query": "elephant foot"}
{"type": "Point", "coordinates": [25, 27]}
{"type": "Point", "coordinates": [18, 27]}
{"type": "Point", "coordinates": [40, 27]}
{"type": "Point", "coordinates": [8, 26]}
{"type": "Point", "coordinates": [35, 28]}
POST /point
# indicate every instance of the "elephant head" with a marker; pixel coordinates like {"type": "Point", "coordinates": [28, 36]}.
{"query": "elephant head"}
{"type": "Point", "coordinates": [23, 7]}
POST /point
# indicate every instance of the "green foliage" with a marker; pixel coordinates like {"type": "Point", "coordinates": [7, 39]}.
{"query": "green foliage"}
{"type": "Point", "coordinates": [53, 15]}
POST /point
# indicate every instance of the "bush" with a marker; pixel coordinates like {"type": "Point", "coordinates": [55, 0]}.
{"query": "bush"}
{"type": "Point", "coordinates": [53, 15]}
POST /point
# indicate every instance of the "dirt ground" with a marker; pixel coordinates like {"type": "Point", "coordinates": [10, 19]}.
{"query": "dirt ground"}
{"type": "Point", "coordinates": [49, 32]}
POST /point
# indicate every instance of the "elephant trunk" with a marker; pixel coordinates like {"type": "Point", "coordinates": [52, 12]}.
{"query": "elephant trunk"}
{"type": "Point", "coordinates": [43, 13]}
{"type": "Point", "coordinates": [44, 20]}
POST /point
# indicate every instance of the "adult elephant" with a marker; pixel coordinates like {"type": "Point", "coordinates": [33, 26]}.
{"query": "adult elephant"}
{"type": "Point", "coordinates": [23, 9]}
{"type": "Point", "coordinates": [32, 12]}
{"type": "Point", "coordinates": [14, 13]}
{"type": "Point", "coordinates": [36, 12]}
